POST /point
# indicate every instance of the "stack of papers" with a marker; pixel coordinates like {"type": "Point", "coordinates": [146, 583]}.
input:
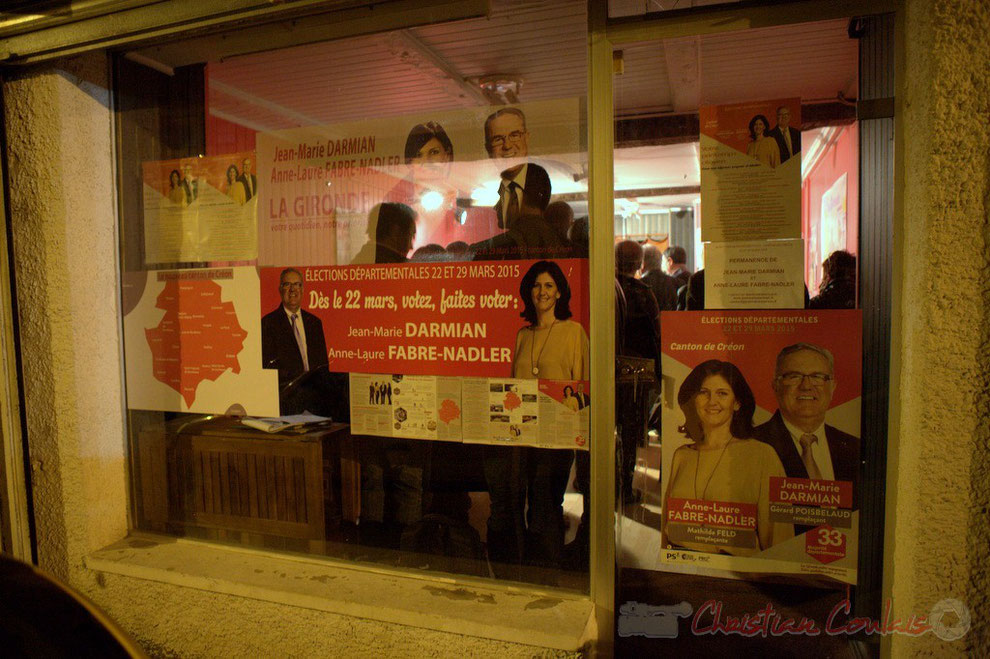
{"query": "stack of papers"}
{"type": "Point", "coordinates": [280, 423]}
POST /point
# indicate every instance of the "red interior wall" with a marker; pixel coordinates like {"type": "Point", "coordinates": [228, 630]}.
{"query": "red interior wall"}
{"type": "Point", "coordinates": [842, 157]}
{"type": "Point", "coordinates": [223, 136]}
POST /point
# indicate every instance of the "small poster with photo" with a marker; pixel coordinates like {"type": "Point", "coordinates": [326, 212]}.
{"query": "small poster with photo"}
{"type": "Point", "coordinates": [751, 170]}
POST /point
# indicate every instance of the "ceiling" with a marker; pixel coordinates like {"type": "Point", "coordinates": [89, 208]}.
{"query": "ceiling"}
{"type": "Point", "coordinates": [543, 44]}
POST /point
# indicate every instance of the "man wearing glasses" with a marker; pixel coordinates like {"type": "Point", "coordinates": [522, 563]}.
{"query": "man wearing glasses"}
{"type": "Point", "coordinates": [523, 195]}
{"type": "Point", "coordinates": [292, 341]}
{"type": "Point", "coordinates": [506, 138]}
{"type": "Point", "coordinates": [807, 446]}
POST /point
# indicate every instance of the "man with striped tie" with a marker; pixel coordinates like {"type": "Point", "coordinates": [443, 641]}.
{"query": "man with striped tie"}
{"type": "Point", "coordinates": [292, 340]}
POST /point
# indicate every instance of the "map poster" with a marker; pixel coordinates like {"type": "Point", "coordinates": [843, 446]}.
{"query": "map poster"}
{"type": "Point", "coordinates": [751, 170]}
{"type": "Point", "coordinates": [760, 427]}
{"type": "Point", "coordinates": [448, 319]}
{"type": "Point", "coordinates": [414, 406]}
{"type": "Point", "coordinates": [200, 209]}
{"type": "Point", "coordinates": [322, 182]}
{"type": "Point", "coordinates": [756, 274]}
{"type": "Point", "coordinates": [193, 342]}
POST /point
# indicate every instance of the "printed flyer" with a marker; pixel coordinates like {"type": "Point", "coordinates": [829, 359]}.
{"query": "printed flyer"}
{"type": "Point", "coordinates": [193, 342]}
{"type": "Point", "coordinates": [503, 411]}
{"type": "Point", "coordinates": [322, 183]}
{"type": "Point", "coordinates": [751, 170]}
{"type": "Point", "coordinates": [759, 274]}
{"type": "Point", "coordinates": [542, 413]}
{"type": "Point", "coordinates": [761, 426]}
{"type": "Point", "coordinates": [414, 406]}
{"type": "Point", "coordinates": [200, 209]}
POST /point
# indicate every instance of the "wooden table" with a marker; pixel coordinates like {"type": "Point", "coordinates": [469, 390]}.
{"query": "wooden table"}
{"type": "Point", "coordinates": [219, 474]}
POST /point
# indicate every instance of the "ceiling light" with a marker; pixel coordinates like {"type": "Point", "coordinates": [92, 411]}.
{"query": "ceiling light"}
{"type": "Point", "coordinates": [501, 89]}
{"type": "Point", "coordinates": [432, 200]}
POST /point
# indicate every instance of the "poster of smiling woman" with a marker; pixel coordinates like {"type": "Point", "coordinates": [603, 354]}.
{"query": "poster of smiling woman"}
{"type": "Point", "coordinates": [761, 426]}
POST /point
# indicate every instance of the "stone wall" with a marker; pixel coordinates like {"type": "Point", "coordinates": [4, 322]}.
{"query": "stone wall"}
{"type": "Point", "coordinates": [938, 539]}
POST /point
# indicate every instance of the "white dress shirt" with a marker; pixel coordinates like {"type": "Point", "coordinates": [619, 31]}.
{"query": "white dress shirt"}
{"type": "Point", "coordinates": [303, 352]}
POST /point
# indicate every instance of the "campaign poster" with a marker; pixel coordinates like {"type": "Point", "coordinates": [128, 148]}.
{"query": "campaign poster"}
{"type": "Point", "coordinates": [322, 183]}
{"type": "Point", "coordinates": [757, 274]}
{"type": "Point", "coordinates": [193, 342]}
{"type": "Point", "coordinates": [486, 351]}
{"type": "Point", "coordinates": [449, 319]}
{"type": "Point", "coordinates": [761, 427]}
{"type": "Point", "coordinates": [200, 209]}
{"type": "Point", "coordinates": [751, 170]}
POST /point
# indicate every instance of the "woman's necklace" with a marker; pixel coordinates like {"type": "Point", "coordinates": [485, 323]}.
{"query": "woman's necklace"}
{"type": "Point", "coordinates": [708, 482]}
{"type": "Point", "coordinates": [532, 349]}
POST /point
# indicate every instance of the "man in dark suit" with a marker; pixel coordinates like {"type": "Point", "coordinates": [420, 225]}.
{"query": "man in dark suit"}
{"type": "Point", "coordinates": [292, 341]}
{"type": "Point", "coordinates": [675, 263]}
{"type": "Point", "coordinates": [664, 286]}
{"type": "Point", "coordinates": [248, 180]}
{"type": "Point", "coordinates": [807, 446]}
{"type": "Point", "coordinates": [788, 138]}
{"type": "Point", "coordinates": [520, 210]}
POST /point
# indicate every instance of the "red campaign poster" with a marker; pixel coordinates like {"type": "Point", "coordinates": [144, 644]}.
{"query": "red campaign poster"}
{"type": "Point", "coordinates": [761, 446]}
{"type": "Point", "coordinates": [444, 319]}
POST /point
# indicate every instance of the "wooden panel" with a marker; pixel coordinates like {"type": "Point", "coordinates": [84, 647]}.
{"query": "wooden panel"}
{"type": "Point", "coordinates": [245, 481]}
{"type": "Point", "coordinates": [153, 480]}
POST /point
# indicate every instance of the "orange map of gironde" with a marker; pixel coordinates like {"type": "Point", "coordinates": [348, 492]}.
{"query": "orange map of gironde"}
{"type": "Point", "coordinates": [197, 339]}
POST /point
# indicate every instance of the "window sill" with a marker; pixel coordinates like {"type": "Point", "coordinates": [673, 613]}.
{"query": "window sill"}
{"type": "Point", "coordinates": [544, 618]}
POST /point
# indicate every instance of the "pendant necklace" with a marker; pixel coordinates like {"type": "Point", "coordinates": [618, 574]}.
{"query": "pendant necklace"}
{"type": "Point", "coordinates": [697, 466]}
{"type": "Point", "coordinates": [536, 359]}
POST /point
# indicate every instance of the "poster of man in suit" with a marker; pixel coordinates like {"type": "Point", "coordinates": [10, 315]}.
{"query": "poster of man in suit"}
{"type": "Point", "coordinates": [293, 342]}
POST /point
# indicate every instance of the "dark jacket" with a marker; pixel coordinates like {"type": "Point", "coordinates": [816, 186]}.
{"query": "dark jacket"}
{"type": "Point", "coordinates": [778, 136]}
{"type": "Point", "coordinates": [280, 350]}
{"type": "Point", "coordinates": [664, 289]}
{"type": "Point", "coordinates": [641, 336]}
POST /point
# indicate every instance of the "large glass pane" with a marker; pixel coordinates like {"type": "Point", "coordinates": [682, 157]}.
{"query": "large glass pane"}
{"type": "Point", "coordinates": [388, 233]}
{"type": "Point", "coordinates": [736, 188]}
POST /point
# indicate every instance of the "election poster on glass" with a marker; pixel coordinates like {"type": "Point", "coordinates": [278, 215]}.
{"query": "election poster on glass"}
{"type": "Point", "coordinates": [761, 428]}
{"type": "Point", "coordinates": [412, 406]}
{"type": "Point", "coordinates": [322, 184]}
{"type": "Point", "coordinates": [751, 170]}
{"type": "Point", "coordinates": [488, 351]}
{"type": "Point", "coordinates": [193, 342]}
{"type": "Point", "coordinates": [756, 274]}
{"type": "Point", "coordinates": [200, 209]}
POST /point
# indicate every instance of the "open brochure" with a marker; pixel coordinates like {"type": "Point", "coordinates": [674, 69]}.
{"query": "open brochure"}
{"type": "Point", "coordinates": [281, 423]}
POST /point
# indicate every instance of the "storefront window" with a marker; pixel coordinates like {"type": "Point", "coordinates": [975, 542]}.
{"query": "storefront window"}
{"type": "Point", "coordinates": [739, 477]}
{"type": "Point", "coordinates": [356, 297]}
